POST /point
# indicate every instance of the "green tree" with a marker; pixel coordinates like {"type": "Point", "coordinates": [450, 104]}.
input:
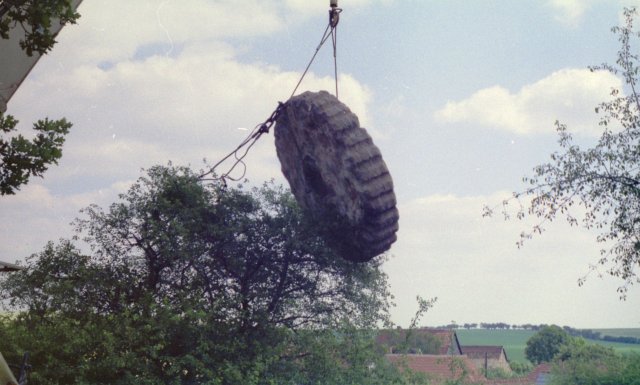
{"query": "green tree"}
{"type": "Point", "coordinates": [592, 364]}
{"type": "Point", "coordinates": [21, 158]}
{"type": "Point", "coordinates": [545, 344]}
{"type": "Point", "coordinates": [189, 283]}
{"type": "Point", "coordinates": [412, 340]}
{"type": "Point", "coordinates": [602, 180]}
{"type": "Point", "coordinates": [36, 19]}
{"type": "Point", "coordinates": [520, 368]}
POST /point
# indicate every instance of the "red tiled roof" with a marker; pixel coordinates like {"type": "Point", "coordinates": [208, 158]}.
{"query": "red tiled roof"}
{"type": "Point", "coordinates": [446, 337]}
{"type": "Point", "coordinates": [543, 368]}
{"type": "Point", "coordinates": [492, 352]}
{"type": "Point", "coordinates": [437, 367]}
{"type": "Point", "coordinates": [440, 368]}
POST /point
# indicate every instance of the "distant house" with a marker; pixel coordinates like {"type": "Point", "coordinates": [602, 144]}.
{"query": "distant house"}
{"type": "Point", "coordinates": [438, 368]}
{"type": "Point", "coordinates": [490, 357]}
{"type": "Point", "coordinates": [450, 344]}
{"type": "Point", "coordinates": [437, 354]}
{"type": "Point", "coordinates": [422, 340]}
{"type": "Point", "coordinates": [541, 374]}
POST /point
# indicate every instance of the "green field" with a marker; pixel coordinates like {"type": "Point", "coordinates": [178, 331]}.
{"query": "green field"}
{"type": "Point", "coordinates": [514, 341]}
{"type": "Point", "coordinates": [619, 332]}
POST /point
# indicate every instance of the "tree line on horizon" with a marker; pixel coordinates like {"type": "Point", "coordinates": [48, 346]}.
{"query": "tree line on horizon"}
{"type": "Point", "coordinates": [574, 332]}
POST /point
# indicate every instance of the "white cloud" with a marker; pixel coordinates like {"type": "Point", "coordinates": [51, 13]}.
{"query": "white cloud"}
{"type": "Point", "coordinates": [41, 216]}
{"type": "Point", "coordinates": [568, 95]}
{"type": "Point", "coordinates": [446, 249]}
{"type": "Point", "coordinates": [140, 111]}
{"type": "Point", "coordinates": [196, 101]}
{"type": "Point", "coordinates": [570, 12]}
{"type": "Point", "coordinates": [114, 30]}
{"type": "Point", "coordinates": [132, 111]}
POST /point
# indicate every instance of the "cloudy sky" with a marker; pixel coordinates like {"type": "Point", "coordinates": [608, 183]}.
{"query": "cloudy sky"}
{"type": "Point", "coordinates": [461, 97]}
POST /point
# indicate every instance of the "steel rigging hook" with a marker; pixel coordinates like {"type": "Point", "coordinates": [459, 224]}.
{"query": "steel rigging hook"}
{"type": "Point", "coordinates": [334, 13]}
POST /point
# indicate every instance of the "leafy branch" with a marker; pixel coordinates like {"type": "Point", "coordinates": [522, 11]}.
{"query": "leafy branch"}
{"type": "Point", "coordinates": [603, 181]}
{"type": "Point", "coordinates": [21, 158]}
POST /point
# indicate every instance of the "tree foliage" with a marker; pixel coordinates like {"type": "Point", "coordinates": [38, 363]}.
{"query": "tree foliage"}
{"type": "Point", "coordinates": [545, 344]}
{"type": "Point", "coordinates": [520, 369]}
{"type": "Point", "coordinates": [409, 341]}
{"type": "Point", "coordinates": [21, 158]}
{"type": "Point", "coordinates": [36, 19]}
{"type": "Point", "coordinates": [591, 364]}
{"type": "Point", "coordinates": [598, 187]}
{"type": "Point", "coordinates": [188, 283]}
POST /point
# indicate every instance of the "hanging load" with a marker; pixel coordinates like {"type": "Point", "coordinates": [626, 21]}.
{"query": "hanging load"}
{"type": "Point", "coordinates": [335, 171]}
{"type": "Point", "coordinates": [337, 174]}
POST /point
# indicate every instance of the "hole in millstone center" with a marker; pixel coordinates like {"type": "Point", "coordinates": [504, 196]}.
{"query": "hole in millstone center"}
{"type": "Point", "coordinates": [313, 177]}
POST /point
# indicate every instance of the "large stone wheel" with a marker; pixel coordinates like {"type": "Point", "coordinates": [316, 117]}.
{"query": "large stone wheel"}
{"type": "Point", "coordinates": [337, 174]}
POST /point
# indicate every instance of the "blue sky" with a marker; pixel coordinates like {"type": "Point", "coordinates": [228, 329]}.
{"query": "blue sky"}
{"type": "Point", "coordinates": [460, 96]}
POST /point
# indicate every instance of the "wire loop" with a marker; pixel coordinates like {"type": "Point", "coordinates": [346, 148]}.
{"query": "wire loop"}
{"type": "Point", "coordinates": [334, 16]}
{"type": "Point", "coordinates": [242, 151]}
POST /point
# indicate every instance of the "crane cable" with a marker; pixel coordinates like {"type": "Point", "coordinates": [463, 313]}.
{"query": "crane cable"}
{"type": "Point", "coordinates": [242, 150]}
{"type": "Point", "coordinates": [330, 31]}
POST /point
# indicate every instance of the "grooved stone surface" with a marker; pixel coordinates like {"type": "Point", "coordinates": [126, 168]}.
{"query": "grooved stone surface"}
{"type": "Point", "coordinates": [337, 173]}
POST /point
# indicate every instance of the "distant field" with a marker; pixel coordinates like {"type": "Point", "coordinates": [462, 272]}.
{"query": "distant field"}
{"type": "Point", "coordinates": [514, 341]}
{"type": "Point", "coordinates": [619, 332]}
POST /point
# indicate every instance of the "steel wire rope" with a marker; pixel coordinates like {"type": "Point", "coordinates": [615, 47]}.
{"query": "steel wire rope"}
{"type": "Point", "coordinates": [248, 142]}
{"type": "Point", "coordinates": [263, 128]}
{"type": "Point", "coordinates": [334, 18]}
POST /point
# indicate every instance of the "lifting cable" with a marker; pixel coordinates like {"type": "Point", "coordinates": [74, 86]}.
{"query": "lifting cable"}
{"type": "Point", "coordinates": [330, 31]}
{"type": "Point", "coordinates": [243, 148]}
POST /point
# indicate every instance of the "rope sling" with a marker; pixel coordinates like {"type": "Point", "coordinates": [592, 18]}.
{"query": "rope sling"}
{"type": "Point", "coordinates": [240, 152]}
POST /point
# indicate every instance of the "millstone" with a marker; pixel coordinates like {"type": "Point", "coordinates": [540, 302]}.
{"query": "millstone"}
{"type": "Point", "coordinates": [337, 174]}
